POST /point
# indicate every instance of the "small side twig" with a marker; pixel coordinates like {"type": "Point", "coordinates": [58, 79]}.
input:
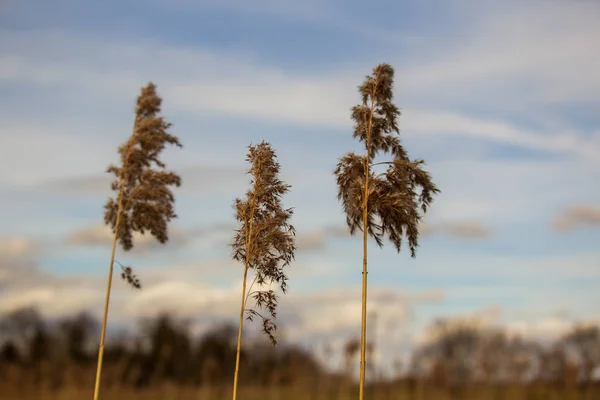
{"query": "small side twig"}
{"type": "Point", "coordinates": [128, 275]}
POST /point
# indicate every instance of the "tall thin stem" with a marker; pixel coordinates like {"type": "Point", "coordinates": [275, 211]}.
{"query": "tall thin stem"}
{"type": "Point", "coordinates": [239, 338]}
{"type": "Point", "coordinates": [363, 328]}
{"type": "Point", "coordinates": [244, 297]}
{"type": "Point", "coordinates": [110, 269]}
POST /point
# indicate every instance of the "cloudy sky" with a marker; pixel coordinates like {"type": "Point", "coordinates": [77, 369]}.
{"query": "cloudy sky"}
{"type": "Point", "coordinates": [501, 99]}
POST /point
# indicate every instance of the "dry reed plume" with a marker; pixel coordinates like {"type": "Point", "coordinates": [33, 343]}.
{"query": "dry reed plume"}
{"type": "Point", "coordinates": [144, 200]}
{"type": "Point", "coordinates": [386, 204]}
{"type": "Point", "coordinates": [264, 242]}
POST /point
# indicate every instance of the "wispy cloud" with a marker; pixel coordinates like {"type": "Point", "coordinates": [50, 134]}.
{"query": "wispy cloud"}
{"type": "Point", "coordinates": [317, 239]}
{"type": "Point", "coordinates": [15, 247]}
{"type": "Point", "coordinates": [503, 191]}
{"type": "Point", "coordinates": [183, 291]}
{"type": "Point", "coordinates": [209, 179]}
{"type": "Point", "coordinates": [577, 216]}
{"type": "Point", "coordinates": [494, 56]}
{"type": "Point", "coordinates": [457, 125]}
{"type": "Point", "coordinates": [461, 229]}
{"type": "Point", "coordinates": [98, 234]}
{"type": "Point", "coordinates": [238, 85]}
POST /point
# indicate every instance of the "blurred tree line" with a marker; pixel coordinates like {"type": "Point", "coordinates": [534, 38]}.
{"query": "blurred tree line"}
{"type": "Point", "coordinates": [461, 352]}
{"type": "Point", "coordinates": [36, 353]}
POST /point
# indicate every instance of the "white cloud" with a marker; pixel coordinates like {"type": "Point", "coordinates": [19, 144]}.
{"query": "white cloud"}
{"type": "Point", "coordinates": [197, 80]}
{"type": "Point", "coordinates": [183, 299]}
{"type": "Point", "coordinates": [541, 54]}
{"type": "Point", "coordinates": [311, 317]}
{"type": "Point", "coordinates": [201, 81]}
{"type": "Point", "coordinates": [523, 270]}
{"type": "Point", "coordinates": [578, 215]}
{"type": "Point", "coordinates": [314, 240]}
{"type": "Point", "coordinates": [335, 313]}
{"type": "Point", "coordinates": [546, 328]}
{"type": "Point", "coordinates": [101, 235]}
{"type": "Point", "coordinates": [502, 192]}
{"type": "Point", "coordinates": [317, 239]}
{"type": "Point", "coordinates": [189, 292]}
{"type": "Point", "coordinates": [51, 301]}
{"type": "Point", "coordinates": [323, 101]}
{"type": "Point", "coordinates": [39, 145]}
{"type": "Point", "coordinates": [466, 229]}
{"type": "Point", "coordinates": [459, 229]}
{"type": "Point", "coordinates": [15, 247]}
{"type": "Point", "coordinates": [16, 274]}
{"type": "Point", "coordinates": [435, 122]}
{"type": "Point", "coordinates": [193, 79]}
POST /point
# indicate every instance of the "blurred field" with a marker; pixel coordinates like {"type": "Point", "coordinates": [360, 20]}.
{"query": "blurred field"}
{"type": "Point", "coordinates": [399, 391]}
{"type": "Point", "coordinates": [163, 360]}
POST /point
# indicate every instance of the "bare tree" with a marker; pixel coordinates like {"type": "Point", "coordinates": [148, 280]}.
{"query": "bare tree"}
{"type": "Point", "coordinates": [584, 339]}
{"type": "Point", "coordinates": [351, 347]}
{"type": "Point", "coordinates": [265, 241]}
{"type": "Point", "coordinates": [144, 201]}
{"type": "Point", "coordinates": [77, 332]}
{"type": "Point", "coordinates": [385, 204]}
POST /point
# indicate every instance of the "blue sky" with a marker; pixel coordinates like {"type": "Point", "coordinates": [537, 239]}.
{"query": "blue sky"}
{"type": "Point", "coordinates": [500, 99]}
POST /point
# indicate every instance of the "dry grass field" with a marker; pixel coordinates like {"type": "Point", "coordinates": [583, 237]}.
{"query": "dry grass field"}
{"type": "Point", "coordinates": [314, 391]}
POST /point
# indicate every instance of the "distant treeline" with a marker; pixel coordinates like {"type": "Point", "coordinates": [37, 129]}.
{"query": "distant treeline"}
{"type": "Point", "coordinates": [35, 353]}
